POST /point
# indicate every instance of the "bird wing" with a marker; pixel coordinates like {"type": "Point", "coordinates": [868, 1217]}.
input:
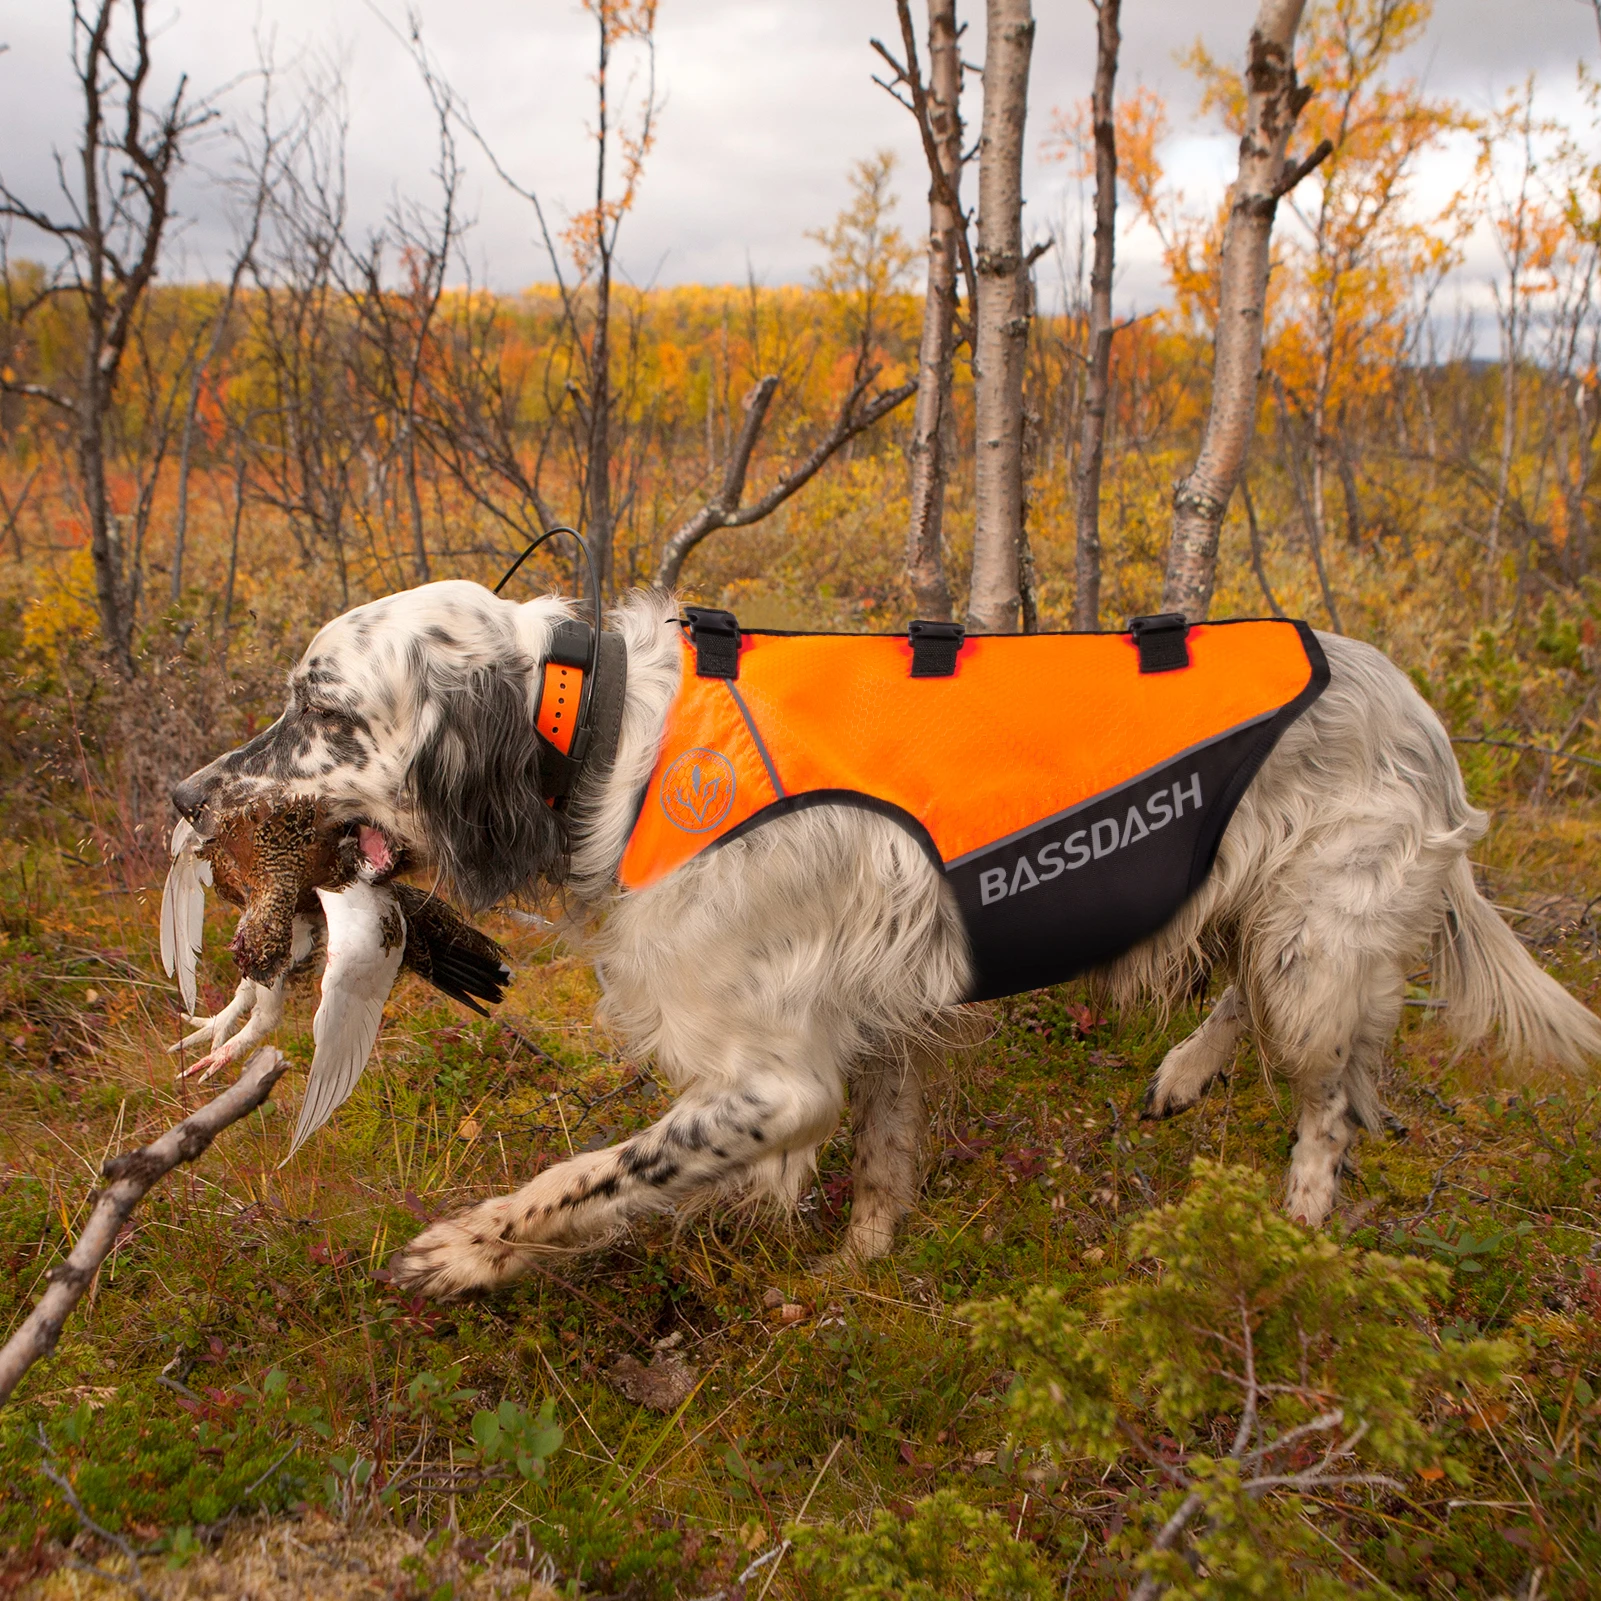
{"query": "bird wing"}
{"type": "Point", "coordinates": [366, 940]}
{"type": "Point", "coordinates": [183, 909]}
{"type": "Point", "coordinates": [450, 953]}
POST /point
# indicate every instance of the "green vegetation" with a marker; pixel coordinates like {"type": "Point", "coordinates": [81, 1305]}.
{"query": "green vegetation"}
{"type": "Point", "coordinates": [242, 1374]}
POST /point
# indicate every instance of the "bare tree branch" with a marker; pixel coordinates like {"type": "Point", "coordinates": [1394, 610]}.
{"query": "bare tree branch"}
{"type": "Point", "coordinates": [725, 513]}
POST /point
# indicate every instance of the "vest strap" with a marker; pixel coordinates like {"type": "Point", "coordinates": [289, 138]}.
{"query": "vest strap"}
{"type": "Point", "coordinates": [1161, 641]}
{"type": "Point", "coordinates": [715, 635]}
{"type": "Point", "coordinates": [935, 646]}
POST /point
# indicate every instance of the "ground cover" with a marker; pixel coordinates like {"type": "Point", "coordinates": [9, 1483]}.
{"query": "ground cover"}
{"type": "Point", "coordinates": [245, 1405]}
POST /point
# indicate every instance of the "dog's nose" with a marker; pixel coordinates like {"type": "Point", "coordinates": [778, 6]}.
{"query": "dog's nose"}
{"type": "Point", "coordinates": [189, 796]}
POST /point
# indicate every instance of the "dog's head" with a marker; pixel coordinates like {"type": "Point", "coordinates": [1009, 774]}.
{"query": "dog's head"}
{"type": "Point", "coordinates": [411, 723]}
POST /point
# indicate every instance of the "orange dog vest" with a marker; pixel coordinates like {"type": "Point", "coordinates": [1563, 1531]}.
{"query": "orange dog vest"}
{"type": "Point", "coordinates": [1073, 801]}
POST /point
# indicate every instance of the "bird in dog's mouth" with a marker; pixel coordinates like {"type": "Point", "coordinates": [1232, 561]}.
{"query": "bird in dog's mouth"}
{"type": "Point", "coordinates": [291, 870]}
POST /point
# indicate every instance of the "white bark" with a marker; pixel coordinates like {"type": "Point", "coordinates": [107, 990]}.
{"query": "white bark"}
{"type": "Point", "coordinates": [1274, 100]}
{"type": "Point", "coordinates": [1001, 321]}
{"type": "Point", "coordinates": [931, 425]}
{"type": "Point", "coordinates": [1092, 435]}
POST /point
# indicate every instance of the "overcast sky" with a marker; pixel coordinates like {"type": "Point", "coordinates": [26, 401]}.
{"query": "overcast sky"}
{"type": "Point", "coordinates": [767, 103]}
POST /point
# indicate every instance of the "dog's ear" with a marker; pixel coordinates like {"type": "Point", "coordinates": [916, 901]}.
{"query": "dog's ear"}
{"type": "Point", "coordinates": [475, 786]}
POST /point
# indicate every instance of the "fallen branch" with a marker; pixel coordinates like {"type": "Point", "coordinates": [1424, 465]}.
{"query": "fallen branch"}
{"type": "Point", "coordinates": [106, 1535]}
{"type": "Point", "coordinates": [131, 1177]}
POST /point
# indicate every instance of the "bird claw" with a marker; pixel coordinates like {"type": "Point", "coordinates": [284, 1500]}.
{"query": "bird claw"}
{"type": "Point", "coordinates": [206, 1066]}
{"type": "Point", "coordinates": [264, 1005]}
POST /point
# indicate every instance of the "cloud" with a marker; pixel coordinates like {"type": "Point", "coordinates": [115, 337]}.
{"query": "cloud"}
{"type": "Point", "coordinates": [767, 103]}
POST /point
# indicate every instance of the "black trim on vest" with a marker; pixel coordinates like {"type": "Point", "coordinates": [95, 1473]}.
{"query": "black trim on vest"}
{"type": "Point", "coordinates": [1272, 731]}
{"type": "Point", "coordinates": [853, 798]}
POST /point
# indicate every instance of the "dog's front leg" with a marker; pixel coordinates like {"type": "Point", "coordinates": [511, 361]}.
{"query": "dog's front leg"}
{"type": "Point", "coordinates": [755, 1125]}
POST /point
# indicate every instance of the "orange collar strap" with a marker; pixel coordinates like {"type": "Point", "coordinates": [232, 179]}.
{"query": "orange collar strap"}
{"type": "Point", "coordinates": [570, 737]}
{"type": "Point", "coordinates": [558, 704]}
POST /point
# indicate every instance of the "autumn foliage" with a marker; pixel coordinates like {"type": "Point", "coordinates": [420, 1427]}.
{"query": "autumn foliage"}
{"type": "Point", "coordinates": [1420, 477]}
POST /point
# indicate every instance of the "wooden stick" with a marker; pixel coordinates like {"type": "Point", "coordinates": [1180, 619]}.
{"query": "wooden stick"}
{"type": "Point", "coordinates": [131, 1176]}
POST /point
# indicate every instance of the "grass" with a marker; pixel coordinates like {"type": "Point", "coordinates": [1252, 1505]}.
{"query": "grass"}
{"type": "Point", "coordinates": [244, 1405]}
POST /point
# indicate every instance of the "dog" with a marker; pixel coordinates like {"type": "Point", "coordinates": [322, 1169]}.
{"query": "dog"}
{"type": "Point", "coordinates": [822, 952]}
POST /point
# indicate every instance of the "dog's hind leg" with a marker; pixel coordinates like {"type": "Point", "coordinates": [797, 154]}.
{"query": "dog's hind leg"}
{"type": "Point", "coordinates": [754, 1119]}
{"type": "Point", "coordinates": [1196, 1060]}
{"type": "Point", "coordinates": [1329, 1038]}
{"type": "Point", "coordinates": [887, 1126]}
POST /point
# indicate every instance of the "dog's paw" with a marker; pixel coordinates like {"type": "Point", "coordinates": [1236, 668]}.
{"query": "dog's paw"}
{"type": "Point", "coordinates": [460, 1254]}
{"type": "Point", "coordinates": [1310, 1197]}
{"type": "Point", "coordinates": [1157, 1105]}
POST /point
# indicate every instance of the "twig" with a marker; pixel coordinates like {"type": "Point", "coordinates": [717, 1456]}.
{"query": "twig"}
{"type": "Point", "coordinates": [1256, 547]}
{"type": "Point", "coordinates": [131, 1176]}
{"type": "Point", "coordinates": [65, 1486]}
{"type": "Point", "coordinates": [773, 1572]}
{"type": "Point", "coordinates": [528, 1045]}
{"type": "Point", "coordinates": [1440, 1183]}
{"type": "Point", "coordinates": [1150, 1586]}
{"type": "Point", "coordinates": [1537, 750]}
{"type": "Point", "coordinates": [1293, 175]}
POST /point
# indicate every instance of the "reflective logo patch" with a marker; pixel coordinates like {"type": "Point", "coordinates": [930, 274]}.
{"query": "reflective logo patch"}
{"type": "Point", "coordinates": [697, 790]}
{"type": "Point", "coordinates": [1083, 845]}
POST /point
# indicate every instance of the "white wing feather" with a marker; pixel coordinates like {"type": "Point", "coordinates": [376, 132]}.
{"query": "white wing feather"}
{"type": "Point", "coordinates": [355, 984]}
{"type": "Point", "coordinates": [183, 910]}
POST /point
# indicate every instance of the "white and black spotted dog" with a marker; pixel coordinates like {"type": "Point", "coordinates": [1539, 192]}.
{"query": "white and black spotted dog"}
{"type": "Point", "coordinates": [822, 953]}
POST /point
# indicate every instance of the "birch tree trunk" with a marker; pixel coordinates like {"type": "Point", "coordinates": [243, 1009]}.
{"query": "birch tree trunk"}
{"type": "Point", "coordinates": [1092, 433]}
{"type": "Point", "coordinates": [931, 431]}
{"type": "Point", "coordinates": [1274, 100]}
{"type": "Point", "coordinates": [600, 391]}
{"type": "Point", "coordinates": [1000, 321]}
{"type": "Point", "coordinates": [197, 378]}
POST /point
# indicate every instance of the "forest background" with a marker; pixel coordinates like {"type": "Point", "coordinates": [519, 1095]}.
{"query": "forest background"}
{"type": "Point", "coordinates": [347, 415]}
{"type": "Point", "coordinates": [346, 412]}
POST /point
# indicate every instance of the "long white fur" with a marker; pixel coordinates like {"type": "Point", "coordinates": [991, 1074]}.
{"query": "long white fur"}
{"type": "Point", "coordinates": [823, 950]}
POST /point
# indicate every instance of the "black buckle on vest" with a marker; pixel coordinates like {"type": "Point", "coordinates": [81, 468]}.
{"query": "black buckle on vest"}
{"type": "Point", "coordinates": [934, 648]}
{"type": "Point", "coordinates": [716, 638]}
{"type": "Point", "coordinates": [1161, 641]}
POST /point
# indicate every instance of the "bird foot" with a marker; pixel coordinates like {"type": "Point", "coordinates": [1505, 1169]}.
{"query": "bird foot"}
{"type": "Point", "coordinates": [260, 1007]}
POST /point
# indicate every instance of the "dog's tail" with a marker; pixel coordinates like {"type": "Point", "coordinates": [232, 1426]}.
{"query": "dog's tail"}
{"type": "Point", "coordinates": [1488, 980]}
